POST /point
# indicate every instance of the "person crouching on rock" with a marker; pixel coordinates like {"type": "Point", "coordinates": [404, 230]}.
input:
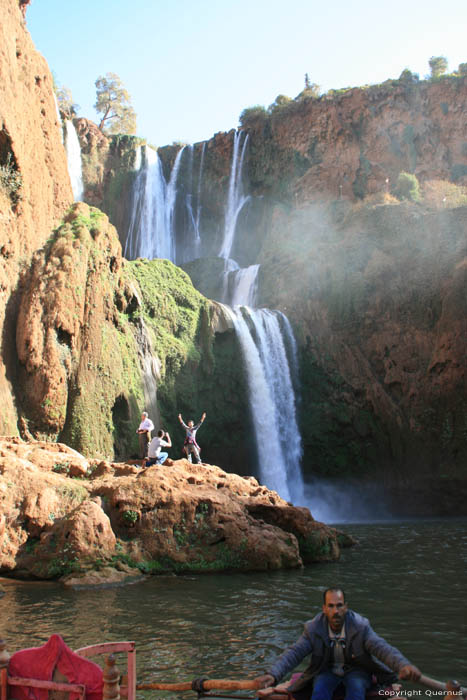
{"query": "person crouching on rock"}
{"type": "Point", "coordinates": [155, 456]}
{"type": "Point", "coordinates": [190, 446]}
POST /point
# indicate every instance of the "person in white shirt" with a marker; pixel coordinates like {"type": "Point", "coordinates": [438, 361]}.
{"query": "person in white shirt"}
{"type": "Point", "coordinates": [144, 434]}
{"type": "Point", "coordinates": [155, 456]}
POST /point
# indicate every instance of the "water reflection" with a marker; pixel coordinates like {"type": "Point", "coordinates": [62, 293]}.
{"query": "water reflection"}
{"type": "Point", "coordinates": [408, 578]}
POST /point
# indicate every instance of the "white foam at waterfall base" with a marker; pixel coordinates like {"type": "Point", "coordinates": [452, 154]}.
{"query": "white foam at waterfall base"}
{"type": "Point", "coordinates": [73, 154]}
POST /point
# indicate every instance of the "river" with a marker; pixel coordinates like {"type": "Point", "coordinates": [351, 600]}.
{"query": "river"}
{"type": "Point", "coordinates": [409, 578]}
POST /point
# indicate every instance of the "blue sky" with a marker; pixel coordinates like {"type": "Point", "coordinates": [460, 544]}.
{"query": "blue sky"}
{"type": "Point", "coordinates": [192, 66]}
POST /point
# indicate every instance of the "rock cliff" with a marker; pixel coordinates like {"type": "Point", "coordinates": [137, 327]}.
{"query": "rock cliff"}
{"type": "Point", "coordinates": [35, 188]}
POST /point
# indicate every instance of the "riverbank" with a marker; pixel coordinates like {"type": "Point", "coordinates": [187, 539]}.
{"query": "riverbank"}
{"type": "Point", "coordinates": [67, 517]}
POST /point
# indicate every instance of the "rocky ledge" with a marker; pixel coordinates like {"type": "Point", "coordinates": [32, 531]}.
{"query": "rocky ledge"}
{"type": "Point", "coordinates": [64, 516]}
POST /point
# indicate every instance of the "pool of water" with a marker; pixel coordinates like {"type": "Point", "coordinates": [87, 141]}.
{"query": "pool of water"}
{"type": "Point", "coordinates": [409, 578]}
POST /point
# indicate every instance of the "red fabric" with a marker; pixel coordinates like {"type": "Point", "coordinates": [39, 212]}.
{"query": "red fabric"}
{"type": "Point", "coordinates": [40, 662]}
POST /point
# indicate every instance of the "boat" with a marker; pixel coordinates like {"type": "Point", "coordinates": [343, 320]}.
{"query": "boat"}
{"type": "Point", "coordinates": [54, 670]}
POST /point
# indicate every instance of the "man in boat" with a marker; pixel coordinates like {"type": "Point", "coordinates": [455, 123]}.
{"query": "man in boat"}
{"type": "Point", "coordinates": [144, 434]}
{"type": "Point", "coordinates": [344, 650]}
{"type": "Point", "coordinates": [155, 456]}
{"type": "Point", "coordinates": [190, 446]}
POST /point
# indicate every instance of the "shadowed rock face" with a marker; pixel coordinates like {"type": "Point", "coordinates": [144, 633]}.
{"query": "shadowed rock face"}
{"type": "Point", "coordinates": [31, 148]}
{"type": "Point", "coordinates": [181, 517]}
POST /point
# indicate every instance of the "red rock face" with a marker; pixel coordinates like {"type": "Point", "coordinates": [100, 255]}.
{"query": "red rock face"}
{"type": "Point", "coordinates": [352, 143]}
{"type": "Point", "coordinates": [30, 138]}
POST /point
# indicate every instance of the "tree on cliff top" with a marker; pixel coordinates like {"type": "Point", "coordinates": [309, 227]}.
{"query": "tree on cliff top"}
{"type": "Point", "coordinates": [438, 66]}
{"type": "Point", "coordinates": [114, 104]}
{"type": "Point", "coordinates": [66, 105]}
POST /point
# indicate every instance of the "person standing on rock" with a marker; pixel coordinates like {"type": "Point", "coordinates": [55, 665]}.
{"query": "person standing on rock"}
{"type": "Point", "coordinates": [155, 456]}
{"type": "Point", "coordinates": [144, 434]}
{"type": "Point", "coordinates": [190, 446]}
{"type": "Point", "coordinates": [344, 650]}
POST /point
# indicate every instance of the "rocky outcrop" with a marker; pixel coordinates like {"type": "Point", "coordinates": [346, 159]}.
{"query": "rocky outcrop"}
{"type": "Point", "coordinates": [175, 518]}
{"type": "Point", "coordinates": [35, 188]}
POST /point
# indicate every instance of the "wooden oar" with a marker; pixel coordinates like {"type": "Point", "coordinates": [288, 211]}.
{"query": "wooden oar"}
{"type": "Point", "coordinates": [449, 687]}
{"type": "Point", "coordinates": [206, 684]}
{"type": "Point", "coordinates": [226, 684]}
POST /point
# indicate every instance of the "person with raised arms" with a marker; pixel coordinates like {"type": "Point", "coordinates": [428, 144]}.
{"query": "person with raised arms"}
{"type": "Point", "coordinates": [190, 446]}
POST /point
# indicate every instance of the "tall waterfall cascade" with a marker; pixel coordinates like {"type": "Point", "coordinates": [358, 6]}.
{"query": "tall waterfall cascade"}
{"type": "Point", "coordinates": [265, 337]}
{"type": "Point", "coordinates": [73, 154]}
{"type": "Point", "coordinates": [150, 233]}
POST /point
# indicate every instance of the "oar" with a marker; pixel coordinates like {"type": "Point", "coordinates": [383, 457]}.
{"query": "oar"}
{"type": "Point", "coordinates": [202, 684]}
{"type": "Point", "coordinates": [450, 686]}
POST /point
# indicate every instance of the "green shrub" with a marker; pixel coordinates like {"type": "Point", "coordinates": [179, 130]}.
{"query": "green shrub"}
{"type": "Point", "coordinates": [130, 517]}
{"type": "Point", "coordinates": [11, 181]}
{"type": "Point", "coordinates": [253, 114]}
{"type": "Point", "coordinates": [407, 187]}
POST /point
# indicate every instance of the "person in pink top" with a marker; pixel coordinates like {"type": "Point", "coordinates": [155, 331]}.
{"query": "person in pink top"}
{"type": "Point", "coordinates": [190, 446]}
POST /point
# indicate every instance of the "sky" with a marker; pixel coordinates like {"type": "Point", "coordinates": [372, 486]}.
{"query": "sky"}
{"type": "Point", "coordinates": [192, 66]}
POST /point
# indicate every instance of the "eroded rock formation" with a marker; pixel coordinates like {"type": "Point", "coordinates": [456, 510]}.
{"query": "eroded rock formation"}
{"type": "Point", "coordinates": [35, 189]}
{"type": "Point", "coordinates": [178, 518]}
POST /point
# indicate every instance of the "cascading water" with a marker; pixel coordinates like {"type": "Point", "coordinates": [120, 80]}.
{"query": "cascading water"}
{"type": "Point", "coordinates": [236, 198]}
{"type": "Point", "coordinates": [73, 154]}
{"type": "Point", "coordinates": [171, 201]}
{"type": "Point", "coordinates": [198, 199]}
{"type": "Point", "coordinates": [151, 371]}
{"type": "Point", "coordinates": [239, 284]}
{"type": "Point", "coordinates": [272, 400]}
{"type": "Point", "coordinates": [151, 234]}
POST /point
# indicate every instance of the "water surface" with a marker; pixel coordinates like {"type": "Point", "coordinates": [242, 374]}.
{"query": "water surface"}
{"type": "Point", "coordinates": [408, 578]}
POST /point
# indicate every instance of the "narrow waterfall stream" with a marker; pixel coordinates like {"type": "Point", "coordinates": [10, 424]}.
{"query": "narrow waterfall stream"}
{"type": "Point", "coordinates": [236, 198]}
{"type": "Point", "coordinates": [73, 154]}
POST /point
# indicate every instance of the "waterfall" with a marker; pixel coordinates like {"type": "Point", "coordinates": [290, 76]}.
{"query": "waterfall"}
{"type": "Point", "coordinates": [138, 159]}
{"type": "Point", "coordinates": [191, 236]}
{"type": "Point", "coordinates": [236, 199]}
{"type": "Point", "coordinates": [151, 232]}
{"type": "Point", "coordinates": [59, 119]}
{"type": "Point", "coordinates": [198, 199]}
{"type": "Point", "coordinates": [150, 365]}
{"type": "Point", "coordinates": [73, 154]}
{"type": "Point", "coordinates": [239, 284]}
{"type": "Point", "coordinates": [265, 337]}
{"type": "Point", "coordinates": [171, 201]}
{"type": "Point", "coordinates": [271, 398]}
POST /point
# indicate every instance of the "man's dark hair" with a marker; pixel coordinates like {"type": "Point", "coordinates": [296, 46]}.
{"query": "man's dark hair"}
{"type": "Point", "coordinates": [160, 433]}
{"type": "Point", "coordinates": [333, 590]}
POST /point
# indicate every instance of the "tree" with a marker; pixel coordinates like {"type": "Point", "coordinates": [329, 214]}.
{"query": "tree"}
{"type": "Point", "coordinates": [280, 101]}
{"type": "Point", "coordinates": [408, 77]}
{"type": "Point", "coordinates": [407, 187]}
{"type": "Point", "coordinates": [114, 104]}
{"type": "Point", "coordinates": [65, 102]}
{"type": "Point", "coordinates": [462, 69]}
{"type": "Point", "coordinates": [438, 66]}
{"type": "Point", "coordinates": [252, 115]}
